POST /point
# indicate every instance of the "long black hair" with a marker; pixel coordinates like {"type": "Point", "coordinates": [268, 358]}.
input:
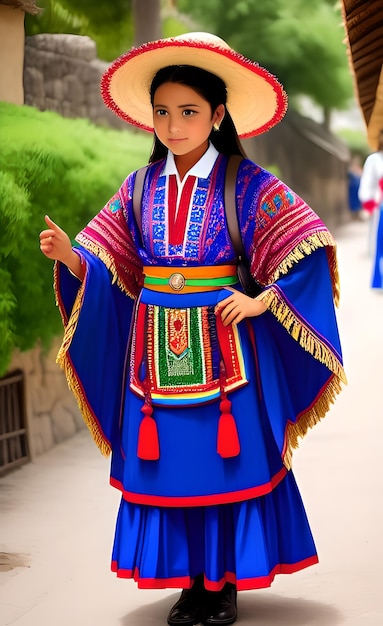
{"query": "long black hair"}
{"type": "Point", "coordinates": [212, 89]}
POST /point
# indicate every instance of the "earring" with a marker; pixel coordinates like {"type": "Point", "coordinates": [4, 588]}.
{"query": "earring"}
{"type": "Point", "coordinates": [216, 126]}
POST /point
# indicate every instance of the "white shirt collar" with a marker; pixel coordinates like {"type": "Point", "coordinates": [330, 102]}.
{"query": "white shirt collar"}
{"type": "Point", "coordinates": [201, 169]}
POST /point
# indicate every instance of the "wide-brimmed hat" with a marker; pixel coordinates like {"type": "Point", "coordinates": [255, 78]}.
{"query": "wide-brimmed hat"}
{"type": "Point", "coordinates": [256, 100]}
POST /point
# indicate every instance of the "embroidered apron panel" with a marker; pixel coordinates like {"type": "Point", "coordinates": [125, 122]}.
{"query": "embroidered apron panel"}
{"type": "Point", "coordinates": [184, 356]}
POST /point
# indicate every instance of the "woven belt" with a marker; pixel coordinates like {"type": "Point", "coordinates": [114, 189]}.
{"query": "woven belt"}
{"type": "Point", "coordinates": [189, 279]}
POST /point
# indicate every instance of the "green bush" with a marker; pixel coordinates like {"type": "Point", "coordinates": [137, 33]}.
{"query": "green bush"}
{"type": "Point", "coordinates": [67, 169]}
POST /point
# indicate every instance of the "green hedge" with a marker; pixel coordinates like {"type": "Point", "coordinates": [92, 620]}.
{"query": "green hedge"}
{"type": "Point", "coordinates": [67, 169]}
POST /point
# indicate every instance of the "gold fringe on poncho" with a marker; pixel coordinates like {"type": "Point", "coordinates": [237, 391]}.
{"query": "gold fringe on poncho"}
{"type": "Point", "coordinates": [308, 340]}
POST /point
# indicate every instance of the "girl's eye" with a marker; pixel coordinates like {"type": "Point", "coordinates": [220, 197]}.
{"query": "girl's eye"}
{"type": "Point", "coordinates": [188, 112]}
{"type": "Point", "coordinates": [161, 112]}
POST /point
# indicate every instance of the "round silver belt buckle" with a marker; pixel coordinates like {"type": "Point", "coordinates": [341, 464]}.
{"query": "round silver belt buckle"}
{"type": "Point", "coordinates": [177, 281]}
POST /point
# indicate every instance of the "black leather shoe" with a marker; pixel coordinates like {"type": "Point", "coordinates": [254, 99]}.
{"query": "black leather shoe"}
{"type": "Point", "coordinates": [188, 610]}
{"type": "Point", "coordinates": [221, 607]}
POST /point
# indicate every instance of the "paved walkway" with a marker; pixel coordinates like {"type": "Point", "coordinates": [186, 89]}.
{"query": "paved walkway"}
{"type": "Point", "coordinates": [57, 514]}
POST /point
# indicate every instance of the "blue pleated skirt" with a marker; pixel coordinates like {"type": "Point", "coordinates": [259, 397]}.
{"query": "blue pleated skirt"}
{"type": "Point", "coordinates": [245, 543]}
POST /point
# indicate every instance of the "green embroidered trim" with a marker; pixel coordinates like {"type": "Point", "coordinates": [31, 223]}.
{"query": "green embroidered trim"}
{"type": "Point", "coordinates": [193, 282]}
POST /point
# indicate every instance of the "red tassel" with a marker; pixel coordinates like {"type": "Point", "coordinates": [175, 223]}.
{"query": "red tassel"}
{"type": "Point", "coordinates": [148, 447]}
{"type": "Point", "coordinates": [227, 439]}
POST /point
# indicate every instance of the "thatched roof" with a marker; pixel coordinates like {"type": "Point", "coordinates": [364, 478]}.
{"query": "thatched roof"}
{"type": "Point", "coordinates": [363, 20]}
{"type": "Point", "coordinates": [28, 6]}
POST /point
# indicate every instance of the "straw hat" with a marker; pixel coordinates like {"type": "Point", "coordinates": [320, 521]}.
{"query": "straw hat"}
{"type": "Point", "coordinates": [255, 99]}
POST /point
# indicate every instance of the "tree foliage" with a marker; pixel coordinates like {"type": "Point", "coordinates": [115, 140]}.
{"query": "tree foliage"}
{"type": "Point", "coordinates": [114, 26]}
{"type": "Point", "coordinates": [300, 42]}
{"type": "Point", "coordinates": [109, 24]}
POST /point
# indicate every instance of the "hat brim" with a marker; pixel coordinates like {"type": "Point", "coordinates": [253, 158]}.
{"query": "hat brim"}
{"type": "Point", "coordinates": [256, 100]}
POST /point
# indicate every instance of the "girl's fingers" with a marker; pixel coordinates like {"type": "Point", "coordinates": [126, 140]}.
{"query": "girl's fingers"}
{"type": "Point", "coordinates": [237, 307]}
{"type": "Point", "coordinates": [223, 303]}
{"type": "Point", "coordinates": [228, 310]}
{"type": "Point", "coordinates": [46, 249]}
{"type": "Point", "coordinates": [54, 242]}
{"type": "Point", "coordinates": [46, 233]}
{"type": "Point", "coordinates": [234, 317]}
{"type": "Point", "coordinates": [46, 240]}
{"type": "Point", "coordinates": [52, 225]}
{"type": "Point", "coordinates": [231, 313]}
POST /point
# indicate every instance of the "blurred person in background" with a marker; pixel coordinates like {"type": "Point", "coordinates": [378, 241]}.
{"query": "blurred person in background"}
{"type": "Point", "coordinates": [353, 175]}
{"type": "Point", "coordinates": [371, 197]}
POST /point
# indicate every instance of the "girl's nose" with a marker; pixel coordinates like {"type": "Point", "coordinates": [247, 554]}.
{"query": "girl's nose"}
{"type": "Point", "coordinates": [173, 124]}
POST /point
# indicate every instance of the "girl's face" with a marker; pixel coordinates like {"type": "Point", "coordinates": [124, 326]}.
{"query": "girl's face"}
{"type": "Point", "coordinates": [183, 120]}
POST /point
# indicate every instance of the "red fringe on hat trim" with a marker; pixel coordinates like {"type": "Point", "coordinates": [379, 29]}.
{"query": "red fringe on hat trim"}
{"type": "Point", "coordinates": [229, 53]}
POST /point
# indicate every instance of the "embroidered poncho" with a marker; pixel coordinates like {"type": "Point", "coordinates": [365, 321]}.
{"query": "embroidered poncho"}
{"type": "Point", "coordinates": [291, 353]}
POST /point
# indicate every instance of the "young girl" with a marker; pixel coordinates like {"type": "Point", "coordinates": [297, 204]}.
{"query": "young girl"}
{"type": "Point", "coordinates": [199, 391]}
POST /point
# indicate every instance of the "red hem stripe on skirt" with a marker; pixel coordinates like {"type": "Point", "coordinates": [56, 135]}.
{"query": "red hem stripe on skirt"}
{"type": "Point", "coordinates": [185, 582]}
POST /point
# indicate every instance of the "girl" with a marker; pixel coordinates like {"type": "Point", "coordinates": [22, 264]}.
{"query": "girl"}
{"type": "Point", "coordinates": [199, 391]}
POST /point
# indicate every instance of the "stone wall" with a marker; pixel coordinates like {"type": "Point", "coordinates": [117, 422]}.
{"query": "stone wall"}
{"type": "Point", "coordinates": [52, 414]}
{"type": "Point", "coordinates": [62, 73]}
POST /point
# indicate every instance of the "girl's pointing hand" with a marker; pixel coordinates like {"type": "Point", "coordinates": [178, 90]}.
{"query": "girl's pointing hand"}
{"type": "Point", "coordinates": [55, 243]}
